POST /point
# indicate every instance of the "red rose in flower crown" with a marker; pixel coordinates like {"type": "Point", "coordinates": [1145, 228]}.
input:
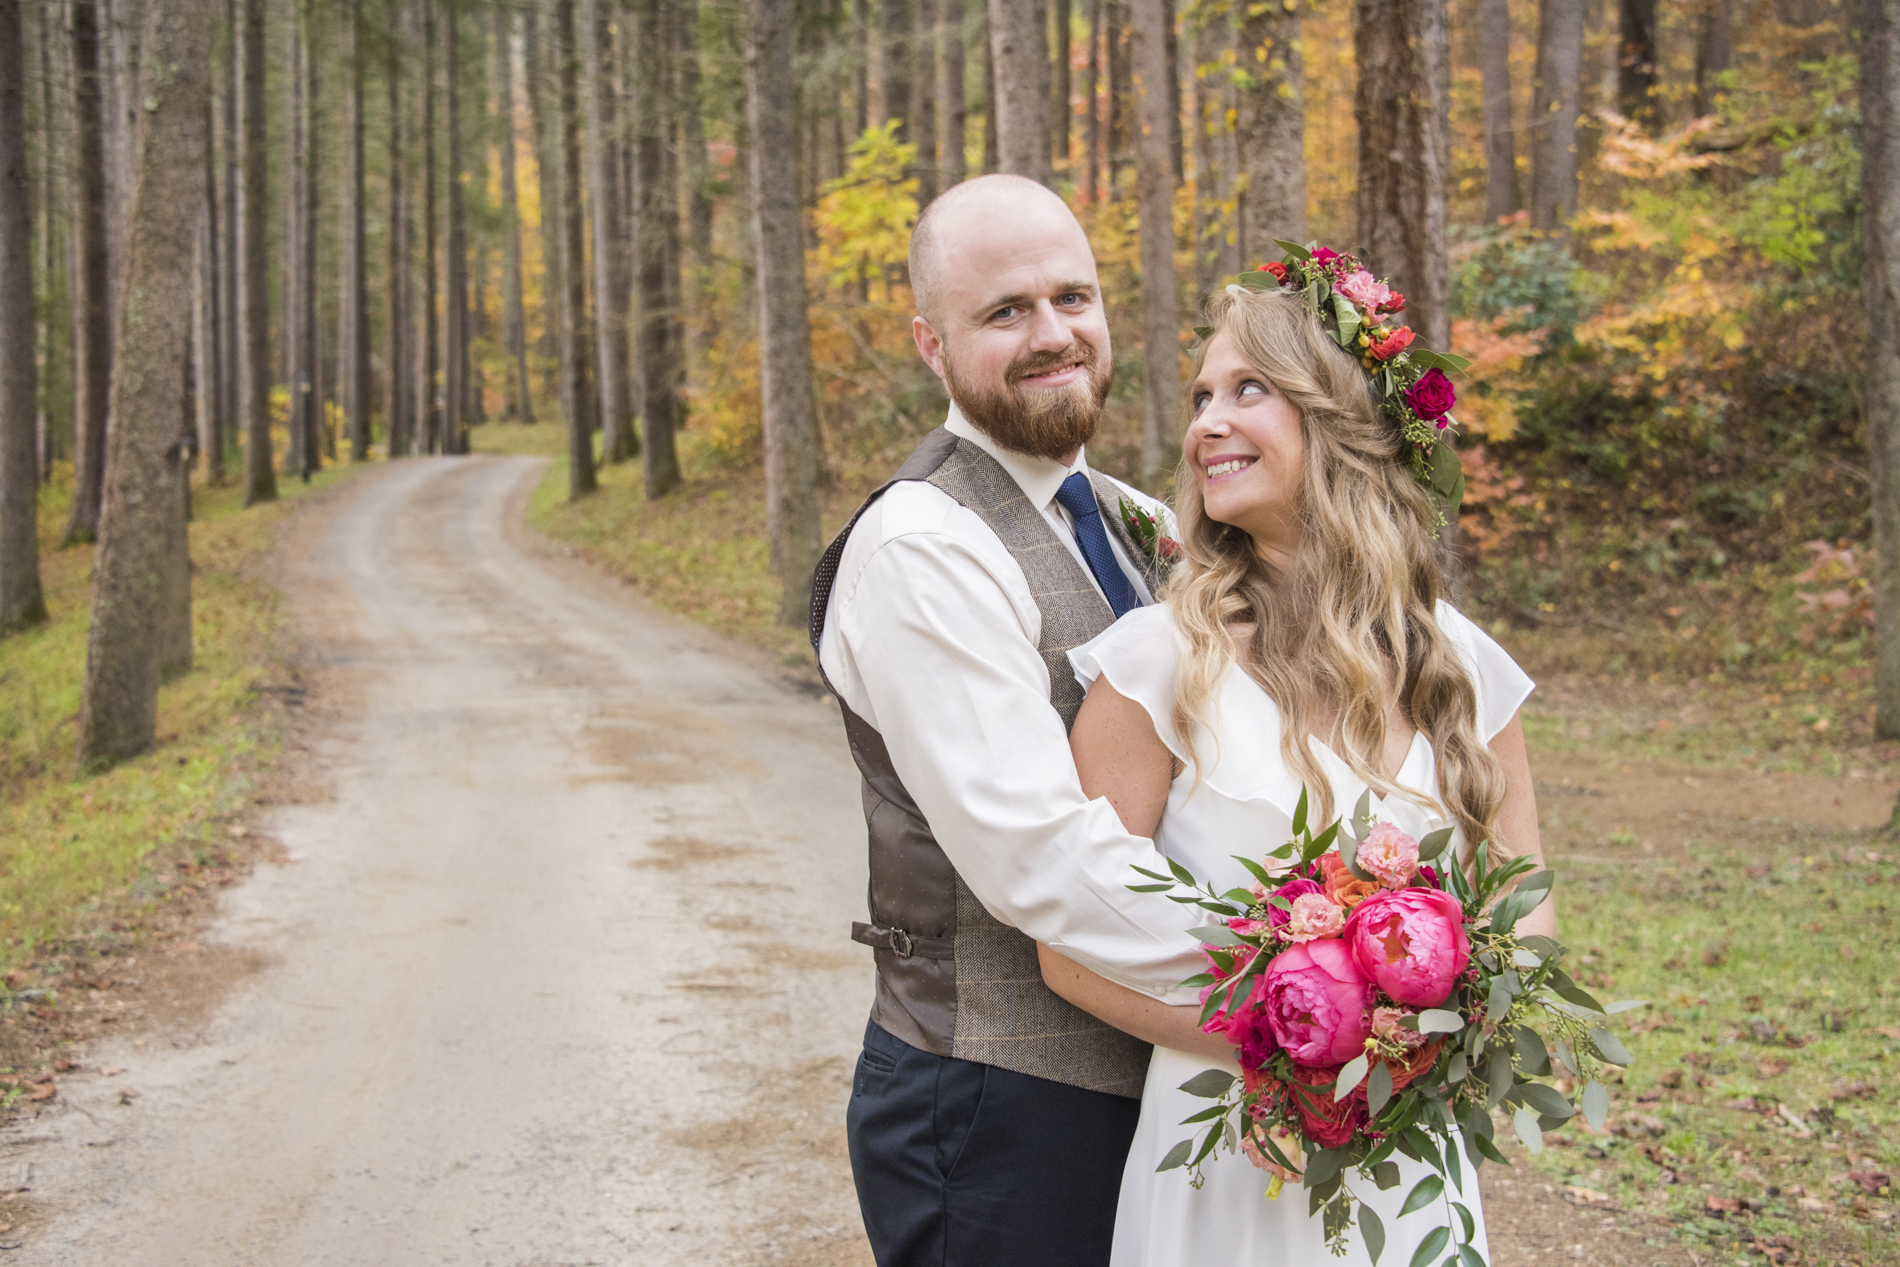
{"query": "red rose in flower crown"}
{"type": "Point", "coordinates": [1432, 396]}
{"type": "Point", "coordinates": [1277, 269]}
{"type": "Point", "coordinates": [1392, 344]}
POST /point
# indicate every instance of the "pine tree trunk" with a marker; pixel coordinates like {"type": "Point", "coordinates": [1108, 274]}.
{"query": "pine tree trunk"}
{"type": "Point", "coordinates": [230, 323]}
{"type": "Point", "coordinates": [1176, 146]}
{"type": "Point", "coordinates": [1403, 109]}
{"type": "Point", "coordinates": [952, 109]}
{"type": "Point", "coordinates": [353, 332]}
{"type": "Point", "coordinates": [699, 203]}
{"type": "Point", "coordinates": [1880, 289]}
{"type": "Point", "coordinates": [399, 384]}
{"type": "Point", "coordinates": [1019, 46]}
{"type": "Point", "coordinates": [785, 386]}
{"type": "Point", "coordinates": [544, 123]}
{"type": "Point", "coordinates": [1211, 182]}
{"type": "Point", "coordinates": [455, 245]}
{"type": "Point", "coordinates": [896, 27]}
{"type": "Point", "coordinates": [1555, 103]}
{"type": "Point", "coordinates": [990, 150]}
{"type": "Point", "coordinates": [144, 508]}
{"type": "Point", "coordinates": [21, 600]}
{"type": "Point", "coordinates": [260, 481]}
{"type": "Point", "coordinates": [1091, 94]}
{"type": "Point", "coordinates": [612, 269]}
{"type": "Point", "coordinates": [1154, 190]}
{"type": "Point", "coordinates": [92, 355]}
{"type": "Point", "coordinates": [1713, 51]}
{"type": "Point", "coordinates": [861, 65]}
{"type": "Point", "coordinates": [577, 333]}
{"type": "Point", "coordinates": [1636, 60]}
{"type": "Point", "coordinates": [923, 88]}
{"type": "Point", "coordinates": [210, 328]}
{"type": "Point", "coordinates": [1060, 86]}
{"type": "Point", "coordinates": [429, 405]}
{"type": "Point", "coordinates": [656, 229]}
{"type": "Point", "coordinates": [1270, 131]}
{"type": "Point", "coordinates": [514, 313]}
{"type": "Point", "coordinates": [1120, 93]}
{"type": "Point", "coordinates": [1501, 196]}
{"type": "Point", "coordinates": [307, 388]}
{"type": "Point", "coordinates": [294, 366]}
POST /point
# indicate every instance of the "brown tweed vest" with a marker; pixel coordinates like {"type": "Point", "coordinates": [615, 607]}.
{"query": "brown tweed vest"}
{"type": "Point", "coordinates": [951, 978]}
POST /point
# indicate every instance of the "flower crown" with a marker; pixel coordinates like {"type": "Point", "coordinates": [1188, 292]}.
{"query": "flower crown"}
{"type": "Point", "coordinates": [1408, 381]}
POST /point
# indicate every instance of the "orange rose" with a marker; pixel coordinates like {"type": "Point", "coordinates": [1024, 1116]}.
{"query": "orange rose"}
{"type": "Point", "coordinates": [1277, 269]}
{"type": "Point", "coordinates": [1341, 885]}
{"type": "Point", "coordinates": [1393, 344]}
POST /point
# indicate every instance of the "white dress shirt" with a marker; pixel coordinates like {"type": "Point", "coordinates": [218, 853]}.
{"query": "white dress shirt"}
{"type": "Point", "coordinates": [931, 638]}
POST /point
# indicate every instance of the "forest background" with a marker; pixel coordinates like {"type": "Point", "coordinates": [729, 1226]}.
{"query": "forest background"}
{"type": "Point", "coordinates": [664, 241]}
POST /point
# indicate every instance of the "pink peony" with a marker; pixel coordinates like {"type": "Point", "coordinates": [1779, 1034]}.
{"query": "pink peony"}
{"type": "Point", "coordinates": [1411, 942]}
{"type": "Point", "coordinates": [1364, 289]}
{"type": "Point", "coordinates": [1386, 1027]}
{"type": "Point", "coordinates": [1318, 1001]}
{"type": "Point", "coordinates": [1389, 854]}
{"type": "Point", "coordinates": [1314, 915]}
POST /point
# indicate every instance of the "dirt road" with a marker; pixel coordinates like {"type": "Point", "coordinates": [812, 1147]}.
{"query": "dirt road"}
{"type": "Point", "coordinates": [556, 971]}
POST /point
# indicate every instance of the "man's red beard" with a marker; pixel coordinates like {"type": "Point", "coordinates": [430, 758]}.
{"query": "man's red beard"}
{"type": "Point", "coordinates": [1049, 423]}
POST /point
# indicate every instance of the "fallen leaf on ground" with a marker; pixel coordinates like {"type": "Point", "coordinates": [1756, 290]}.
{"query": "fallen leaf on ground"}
{"type": "Point", "coordinates": [1773, 1068]}
{"type": "Point", "coordinates": [44, 1091]}
{"type": "Point", "coordinates": [1814, 1204]}
{"type": "Point", "coordinates": [1590, 1197]}
{"type": "Point", "coordinates": [1722, 1205]}
{"type": "Point", "coordinates": [1874, 1183]}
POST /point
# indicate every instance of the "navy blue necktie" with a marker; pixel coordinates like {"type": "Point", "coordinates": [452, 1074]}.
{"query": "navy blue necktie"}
{"type": "Point", "coordinates": [1078, 498]}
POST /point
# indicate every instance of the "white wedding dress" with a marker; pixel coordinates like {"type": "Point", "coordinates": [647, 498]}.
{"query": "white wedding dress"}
{"type": "Point", "coordinates": [1244, 805]}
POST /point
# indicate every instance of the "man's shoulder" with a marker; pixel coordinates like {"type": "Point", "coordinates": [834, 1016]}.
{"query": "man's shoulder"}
{"type": "Point", "coordinates": [917, 516]}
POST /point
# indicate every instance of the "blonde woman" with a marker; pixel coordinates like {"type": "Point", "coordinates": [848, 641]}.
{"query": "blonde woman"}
{"type": "Point", "coordinates": [1302, 642]}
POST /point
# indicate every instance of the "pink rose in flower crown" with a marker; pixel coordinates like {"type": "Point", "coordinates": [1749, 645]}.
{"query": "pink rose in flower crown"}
{"type": "Point", "coordinates": [1314, 915]}
{"type": "Point", "coordinates": [1318, 1002]}
{"type": "Point", "coordinates": [1411, 942]}
{"type": "Point", "coordinates": [1432, 396]}
{"type": "Point", "coordinates": [1389, 854]}
{"type": "Point", "coordinates": [1364, 289]}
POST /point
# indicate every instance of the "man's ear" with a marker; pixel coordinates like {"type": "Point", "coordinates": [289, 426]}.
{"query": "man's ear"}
{"type": "Point", "coordinates": [929, 344]}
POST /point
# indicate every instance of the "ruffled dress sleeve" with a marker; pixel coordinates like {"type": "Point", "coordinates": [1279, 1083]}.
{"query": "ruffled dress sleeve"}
{"type": "Point", "coordinates": [1501, 686]}
{"type": "Point", "coordinates": [1139, 655]}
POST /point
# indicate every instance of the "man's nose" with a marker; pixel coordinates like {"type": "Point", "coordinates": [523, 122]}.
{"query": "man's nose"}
{"type": "Point", "coordinates": [1048, 333]}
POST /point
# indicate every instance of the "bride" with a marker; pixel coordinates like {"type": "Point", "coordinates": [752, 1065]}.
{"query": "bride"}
{"type": "Point", "coordinates": [1302, 642]}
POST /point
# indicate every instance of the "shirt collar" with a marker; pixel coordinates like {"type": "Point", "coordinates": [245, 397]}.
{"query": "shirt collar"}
{"type": "Point", "coordinates": [1039, 478]}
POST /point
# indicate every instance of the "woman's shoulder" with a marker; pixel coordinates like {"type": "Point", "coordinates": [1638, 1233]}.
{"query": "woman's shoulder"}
{"type": "Point", "coordinates": [1500, 683]}
{"type": "Point", "coordinates": [1142, 644]}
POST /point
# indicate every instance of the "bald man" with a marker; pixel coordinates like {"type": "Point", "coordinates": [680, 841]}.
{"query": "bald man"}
{"type": "Point", "coordinates": [989, 1119]}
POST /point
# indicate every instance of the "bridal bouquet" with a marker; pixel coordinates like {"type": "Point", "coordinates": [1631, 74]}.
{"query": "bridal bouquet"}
{"type": "Point", "coordinates": [1376, 1002]}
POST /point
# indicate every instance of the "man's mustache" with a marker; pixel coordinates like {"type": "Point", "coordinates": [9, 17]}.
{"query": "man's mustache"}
{"type": "Point", "coordinates": [1042, 363]}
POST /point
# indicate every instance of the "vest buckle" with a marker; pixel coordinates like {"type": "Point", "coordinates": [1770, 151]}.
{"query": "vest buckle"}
{"type": "Point", "coordinates": [901, 943]}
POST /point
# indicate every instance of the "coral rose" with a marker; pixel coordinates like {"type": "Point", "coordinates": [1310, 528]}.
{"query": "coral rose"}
{"type": "Point", "coordinates": [1389, 853]}
{"type": "Point", "coordinates": [1328, 1122]}
{"type": "Point", "coordinates": [1341, 885]}
{"type": "Point", "coordinates": [1432, 396]}
{"type": "Point", "coordinates": [1396, 303]}
{"type": "Point", "coordinates": [1277, 269]}
{"type": "Point", "coordinates": [1411, 943]}
{"type": "Point", "coordinates": [1364, 289]}
{"type": "Point", "coordinates": [1416, 1065]}
{"type": "Point", "coordinates": [1392, 344]}
{"type": "Point", "coordinates": [1318, 1002]}
{"type": "Point", "coordinates": [1314, 915]}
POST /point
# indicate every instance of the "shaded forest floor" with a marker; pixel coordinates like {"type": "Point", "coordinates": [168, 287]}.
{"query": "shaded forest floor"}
{"type": "Point", "coordinates": [1721, 855]}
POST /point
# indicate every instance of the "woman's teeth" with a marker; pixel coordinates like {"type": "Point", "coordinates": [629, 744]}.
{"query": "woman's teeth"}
{"type": "Point", "coordinates": [1228, 467]}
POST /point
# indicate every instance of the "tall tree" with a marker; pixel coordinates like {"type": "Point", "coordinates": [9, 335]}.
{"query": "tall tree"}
{"type": "Point", "coordinates": [990, 152]}
{"type": "Point", "coordinates": [353, 334]}
{"type": "Point", "coordinates": [1636, 60]}
{"type": "Point", "coordinates": [292, 275]}
{"type": "Point", "coordinates": [923, 94]}
{"type": "Point", "coordinates": [1061, 87]}
{"type": "Point", "coordinates": [861, 65]}
{"type": "Point", "coordinates": [230, 324]}
{"type": "Point", "coordinates": [577, 337]}
{"type": "Point", "coordinates": [1212, 181]}
{"type": "Point", "coordinates": [21, 599]}
{"type": "Point", "coordinates": [1880, 289]}
{"type": "Point", "coordinates": [398, 362]}
{"type": "Point", "coordinates": [613, 270]}
{"type": "Point", "coordinates": [538, 59]}
{"type": "Point", "coordinates": [1270, 130]}
{"type": "Point", "coordinates": [1713, 51]}
{"type": "Point", "coordinates": [455, 389]}
{"type": "Point", "coordinates": [1019, 45]}
{"type": "Point", "coordinates": [693, 169]}
{"type": "Point", "coordinates": [92, 353]}
{"type": "Point", "coordinates": [260, 481]}
{"type": "Point", "coordinates": [208, 320]}
{"type": "Point", "coordinates": [1555, 102]}
{"type": "Point", "coordinates": [656, 229]}
{"type": "Point", "coordinates": [952, 109]}
{"type": "Point", "coordinates": [515, 317]}
{"type": "Point", "coordinates": [1154, 181]}
{"type": "Point", "coordinates": [897, 21]}
{"type": "Point", "coordinates": [1501, 196]}
{"type": "Point", "coordinates": [306, 391]}
{"type": "Point", "coordinates": [1091, 91]}
{"type": "Point", "coordinates": [785, 384]}
{"type": "Point", "coordinates": [1403, 106]}
{"type": "Point", "coordinates": [1177, 148]}
{"type": "Point", "coordinates": [144, 506]}
{"type": "Point", "coordinates": [1120, 92]}
{"type": "Point", "coordinates": [429, 390]}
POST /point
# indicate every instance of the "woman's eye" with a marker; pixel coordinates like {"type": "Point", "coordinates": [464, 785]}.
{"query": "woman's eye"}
{"type": "Point", "coordinates": [1251, 388]}
{"type": "Point", "coordinates": [1200, 401]}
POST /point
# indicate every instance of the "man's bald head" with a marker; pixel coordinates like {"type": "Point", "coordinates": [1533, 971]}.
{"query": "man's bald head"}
{"type": "Point", "coordinates": [976, 214]}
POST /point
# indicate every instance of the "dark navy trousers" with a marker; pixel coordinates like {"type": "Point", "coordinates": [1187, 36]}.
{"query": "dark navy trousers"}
{"type": "Point", "coordinates": [967, 1165]}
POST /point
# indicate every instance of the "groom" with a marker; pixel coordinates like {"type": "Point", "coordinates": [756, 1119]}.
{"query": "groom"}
{"type": "Point", "coordinates": [989, 1119]}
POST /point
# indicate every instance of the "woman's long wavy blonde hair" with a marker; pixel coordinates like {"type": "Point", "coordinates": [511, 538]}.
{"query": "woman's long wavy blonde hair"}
{"type": "Point", "coordinates": [1355, 611]}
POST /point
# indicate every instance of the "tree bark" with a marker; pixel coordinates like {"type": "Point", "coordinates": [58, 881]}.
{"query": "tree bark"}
{"type": "Point", "coordinates": [353, 335]}
{"type": "Point", "coordinates": [307, 386]}
{"type": "Point", "coordinates": [1176, 148]}
{"type": "Point", "coordinates": [1091, 92]}
{"type": "Point", "coordinates": [429, 406]}
{"type": "Point", "coordinates": [656, 229]}
{"type": "Point", "coordinates": [1270, 131]}
{"type": "Point", "coordinates": [612, 267]}
{"type": "Point", "coordinates": [861, 65]}
{"type": "Point", "coordinates": [143, 516]}
{"type": "Point", "coordinates": [515, 315]}
{"type": "Point", "coordinates": [699, 203]}
{"type": "Point", "coordinates": [785, 386]}
{"type": "Point", "coordinates": [22, 602]}
{"type": "Point", "coordinates": [923, 92]}
{"type": "Point", "coordinates": [544, 123]}
{"type": "Point", "coordinates": [208, 339]}
{"type": "Point", "coordinates": [1019, 46]}
{"type": "Point", "coordinates": [1403, 109]}
{"type": "Point", "coordinates": [1555, 103]}
{"type": "Point", "coordinates": [1713, 51]}
{"type": "Point", "coordinates": [455, 244]}
{"type": "Point", "coordinates": [1061, 86]}
{"type": "Point", "coordinates": [952, 109]}
{"type": "Point", "coordinates": [1120, 93]}
{"type": "Point", "coordinates": [292, 274]}
{"type": "Point", "coordinates": [92, 353]}
{"type": "Point", "coordinates": [577, 332]}
{"type": "Point", "coordinates": [990, 152]}
{"type": "Point", "coordinates": [230, 323]}
{"type": "Point", "coordinates": [1880, 245]}
{"type": "Point", "coordinates": [260, 480]}
{"type": "Point", "coordinates": [1211, 181]}
{"type": "Point", "coordinates": [399, 381]}
{"type": "Point", "coordinates": [1501, 197]}
{"type": "Point", "coordinates": [1154, 194]}
{"type": "Point", "coordinates": [896, 28]}
{"type": "Point", "coordinates": [1636, 60]}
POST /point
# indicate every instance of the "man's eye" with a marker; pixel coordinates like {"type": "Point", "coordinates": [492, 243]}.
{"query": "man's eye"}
{"type": "Point", "coordinates": [1073, 299]}
{"type": "Point", "coordinates": [1003, 314]}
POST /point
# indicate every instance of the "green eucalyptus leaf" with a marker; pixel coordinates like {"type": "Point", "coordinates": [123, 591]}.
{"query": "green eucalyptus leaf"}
{"type": "Point", "coordinates": [1209, 1084]}
{"type": "Point", "coordinates": [1596, 1104]}
{"type": "Point", "coordinates": [1468, 1256]}
{"type": "Point", "coordinates": [1439, 1021]}
{"type": "Point", "coordinates": [1372, 1231]}
{"type": "Point", "coordinates": [1349, 1075]}
{"type": "Point", "coordinates": [1610, 1047]}
{"type": "Point", "coordinates": [1324, 1166]}
{"type": "Point", "coordinates": [1547, 1100]}
{"type": "Point", "coordinates": [1215, 935]}
{"type": "Point", "coordinates": [1457, 1068]}
{"type": "Point", "coordinates": [1528, 1130]}
{"type": "Point", "coordinates": [1255, 870]}
{"type": "Point", "coordinates": [1428, 1249]}
{"type": "Point", "coordinates": [1386, 1175]}
{"type": "Point", "coordinates": [1378, 1089]}
{"type": "Point", "coordinates": [1177, 1156]}
{"type": "Point", "coordinates": [1464, 1217]}
{"type": "Point", "coordinates": [1499, 1077]}
{"type": "Point", "coordinates": [1150, 888]}
{"type": "Point", "coordinates": [1438, 360]}
{"type": "Point", "coordinates": [1532, 1057]}
{"type": "Point", "coordinates": [1299, 813]}
{"type": "Point", "coordinates": [1434, 843]}
{"type": "Point", "coordinates": [1426, 1191]}
{"type": "Point", "coordinates": [1624, 1005]}
{"type": "Point", "coordinates": [1293, 249]}
{"type": "Point", "coordinates": [1526, 959]}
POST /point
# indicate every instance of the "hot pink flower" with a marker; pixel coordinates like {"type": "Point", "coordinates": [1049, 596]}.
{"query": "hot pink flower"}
{"type": "Point", "coordinates": [1364, 289]}
{"type": "Point", "coordinates": [1389, 854]}
{"type": "Point", "coordinates": [1291, 891]}
{"type": "Point", "coordinates": [1324, 254]}
{"type": "Point", "coordinates": [1314, 915]}
{"type": "Point", "coordinates": [1411, 942]}
{"type": "Point", "coordinates": [1318, 1001]}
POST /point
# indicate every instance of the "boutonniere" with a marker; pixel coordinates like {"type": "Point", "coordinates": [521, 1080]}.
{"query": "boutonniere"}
{"type": "Point", "coordinates": [1157, 547]}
